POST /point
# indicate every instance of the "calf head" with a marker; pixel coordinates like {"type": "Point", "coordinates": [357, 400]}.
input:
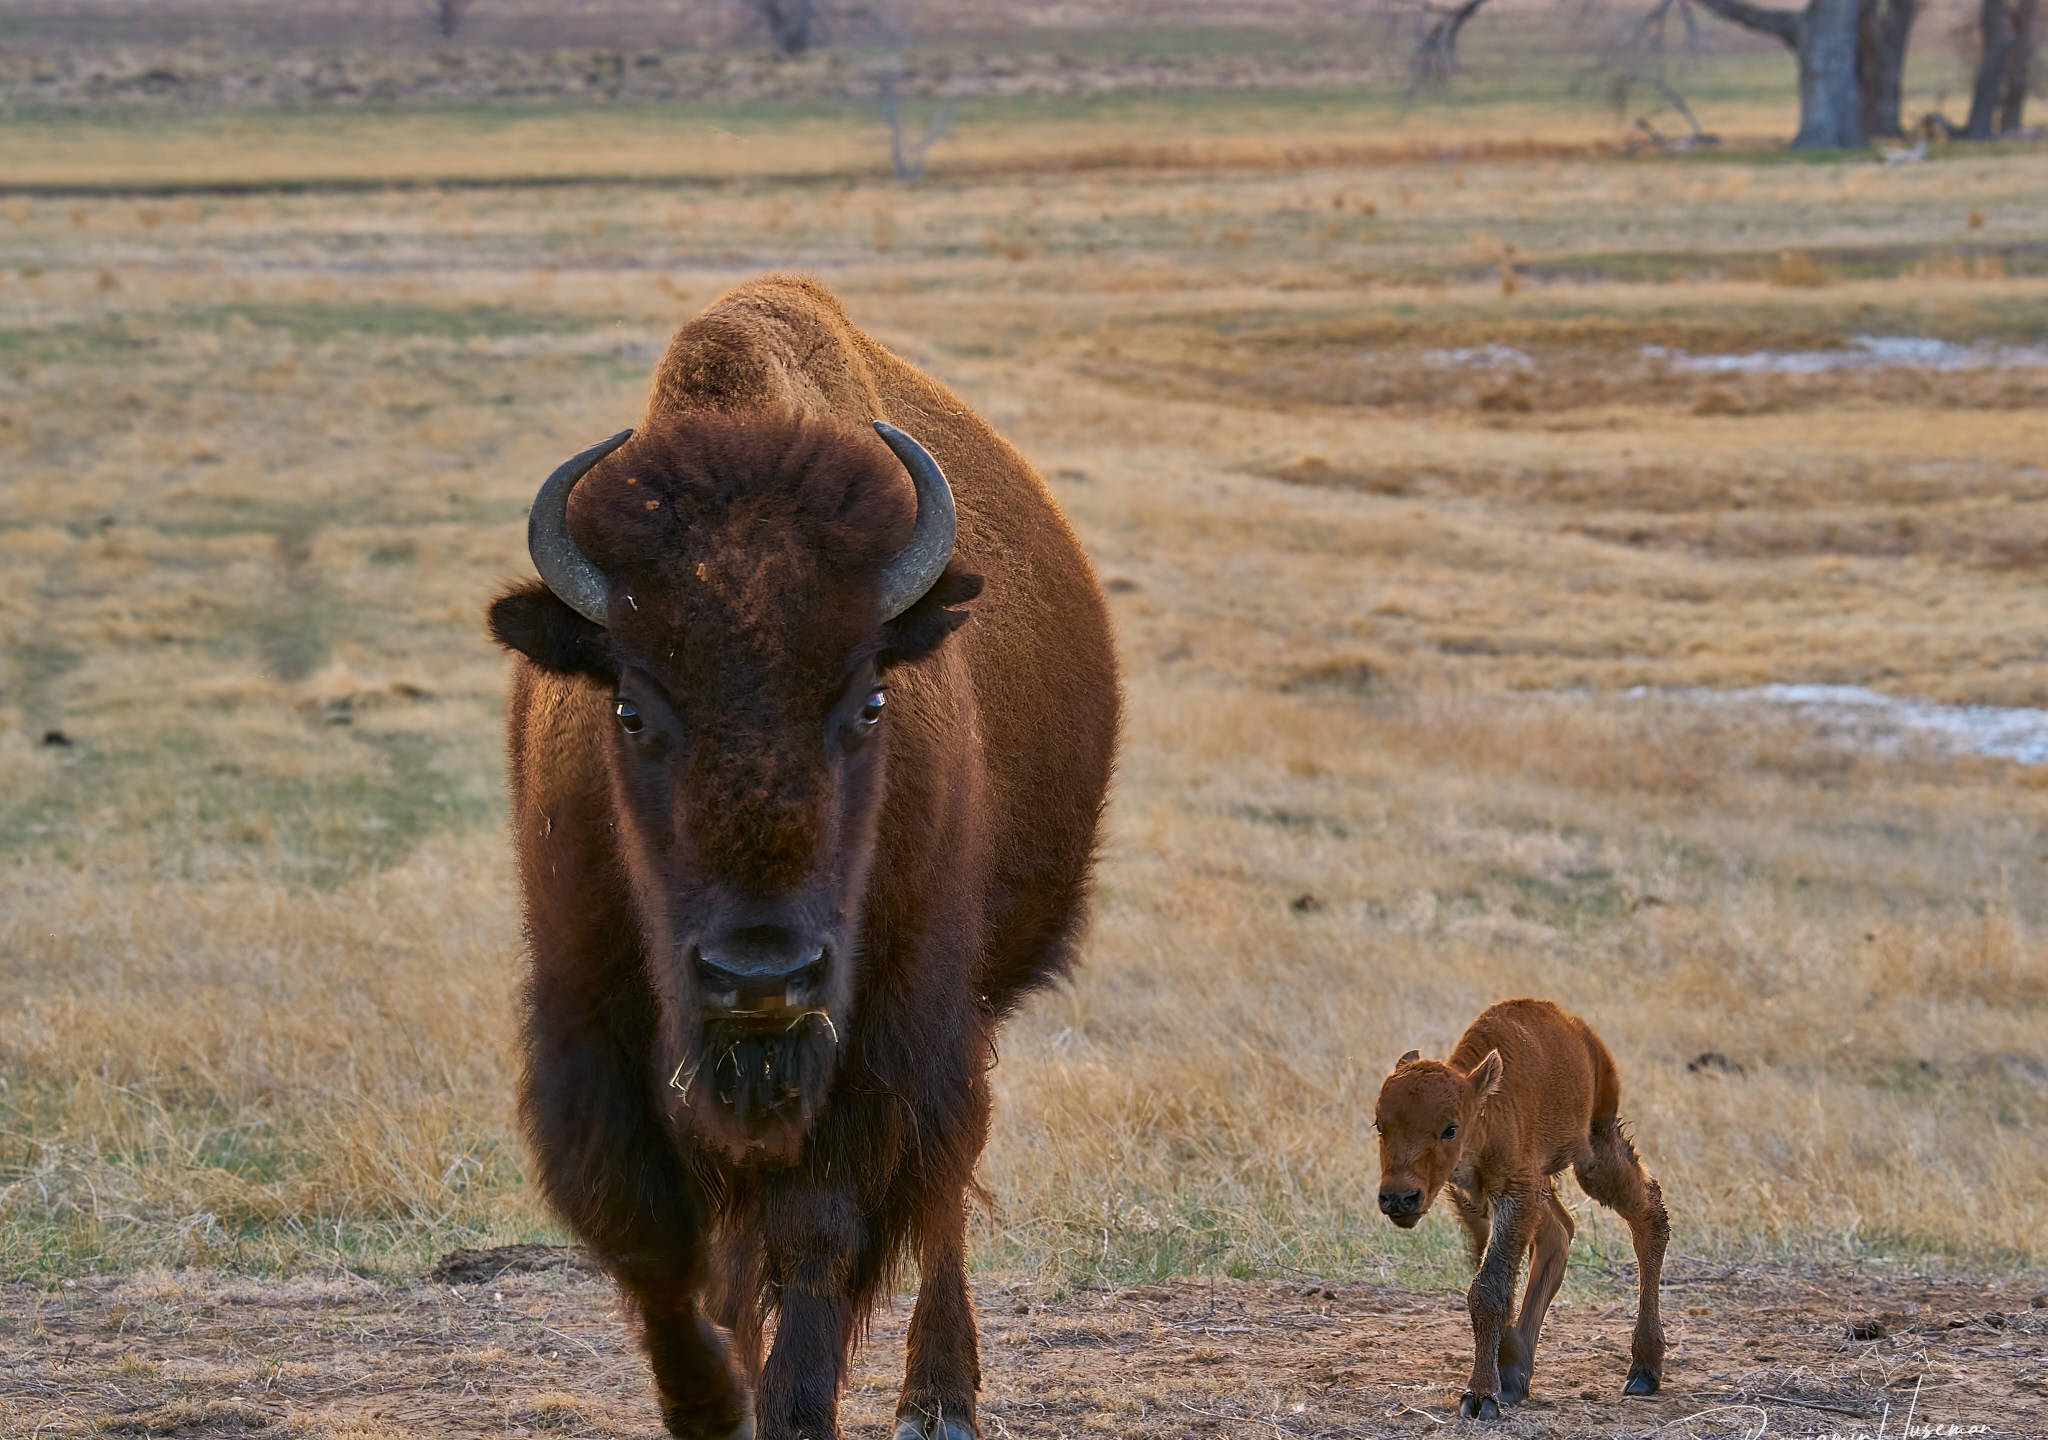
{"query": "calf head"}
{"type": "Point", "coordinates": [1425, 1115]}
{"type": "Point", "coordinates": [741, 588]}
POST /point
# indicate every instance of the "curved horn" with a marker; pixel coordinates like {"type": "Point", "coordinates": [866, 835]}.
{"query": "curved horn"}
{"type": "Point", "coordinates": [919, 564]}
{"type": "Point", "coordinates": [576, 582]}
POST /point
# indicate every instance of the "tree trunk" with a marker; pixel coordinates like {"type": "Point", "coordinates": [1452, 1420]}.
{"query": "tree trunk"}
{"type": "Point", "coordinates": [1997, 42]}
{"type": "Point", "coordinates": [1830, 110]}
{"type": "Point", "coordinates": [448, 17]}
{"type": "Point", "coordinates": [1884, 28]}
{"type": "Point", "coordinates": [1823, 36]}
{"type": "Point", "coordinates": [789, 24]}
{"type": "Point", "coordinates": [2019, 69]}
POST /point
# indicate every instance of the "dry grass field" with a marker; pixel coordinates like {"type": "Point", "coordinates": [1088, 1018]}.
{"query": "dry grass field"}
{"type": "Point", "coordinates": [1402, 477]}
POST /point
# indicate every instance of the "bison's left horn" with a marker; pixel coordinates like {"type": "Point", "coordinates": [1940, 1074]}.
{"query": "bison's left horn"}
{"type": "Point", "coordinates": [919, 564]}
{"type": "Point", "coordinates": [576, 582]}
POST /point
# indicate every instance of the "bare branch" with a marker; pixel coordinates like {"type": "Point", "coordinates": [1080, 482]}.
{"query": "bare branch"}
{"type": "Point", "coordinates": [1436, 54]}
{"type": "Point", "coordinates": [1761, 18]}
{"type": "Point", "coordinates": [907, 156]}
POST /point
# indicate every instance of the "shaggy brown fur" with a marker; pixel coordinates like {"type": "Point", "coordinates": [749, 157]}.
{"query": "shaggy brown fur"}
{"type": "Point", "coordinates": [723, 1171]}
{"type": "Point", "coordinates": [1527, 1091]}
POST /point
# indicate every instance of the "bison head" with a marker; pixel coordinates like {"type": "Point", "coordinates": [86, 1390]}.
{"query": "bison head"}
{"type": "Point", "coordinates": [742, 589]}
{"type": "Point", "coordinates": [1425, 1116]}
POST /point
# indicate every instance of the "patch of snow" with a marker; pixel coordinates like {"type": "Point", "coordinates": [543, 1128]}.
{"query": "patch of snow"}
{"type": "Point", "coordinates": [1863, 716]}
{"type": "Point", "coordinates": [1484, 357]}
{"type": "Point", "coordinates": [1863, 352]}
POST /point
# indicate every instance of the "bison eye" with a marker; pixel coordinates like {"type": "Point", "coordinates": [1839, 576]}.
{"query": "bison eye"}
{"type": "Point", "coordinates": [629, 716]}
{"type": "Point", "coordinates": [871, 712]}
{"type": "Point", "coordinates": [1450, 1132]}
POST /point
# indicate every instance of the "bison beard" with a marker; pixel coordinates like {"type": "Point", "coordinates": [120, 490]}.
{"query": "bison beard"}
{"type": "Point", "coordinates": [761, 1088]}
{"type": "Point", "coordinates": [794, 837]}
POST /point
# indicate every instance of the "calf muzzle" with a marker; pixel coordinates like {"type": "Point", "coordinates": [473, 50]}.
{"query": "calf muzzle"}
{"type": "Point", "coordinates": [1403, 1207]}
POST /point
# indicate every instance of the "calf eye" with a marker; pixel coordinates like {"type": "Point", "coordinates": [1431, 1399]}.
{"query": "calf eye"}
{"type": "Point", "coordinates": [1450, 1132]}
{"type": "Point", "coordinates": [629, 716]}
{"type": "Point", "coordinates": [871, 712]}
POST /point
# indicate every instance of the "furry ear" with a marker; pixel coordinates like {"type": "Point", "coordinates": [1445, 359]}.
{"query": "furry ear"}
{"type": "Point", "coordinates": [924, 626]}
{"type": "Point", "coordinates": [530, 620]}
{"type": "Point", "coordinates": [1409, 1058]}
{"type": "Point", "coordinates": [1485, 1076]}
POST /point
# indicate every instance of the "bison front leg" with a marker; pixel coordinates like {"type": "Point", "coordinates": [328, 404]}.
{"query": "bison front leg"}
{"type": "Point", "coordinates": [812, 1236]}
{"type": "Point", "coordinates": [1515, 1213]}
{"type": "Point", "coordinates": [692, 1374]}
{"type": "Point", "coordinates": [608, 1171]}
{"type": "Point", "coordinates": [942, 1373]}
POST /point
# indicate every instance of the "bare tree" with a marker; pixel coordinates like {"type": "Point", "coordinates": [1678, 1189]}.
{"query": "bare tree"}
{"type": "Point", "coordinates": [1435, 59]}
{"type": "Point", "coordinates": [2009, 41]}
{"type": "Point", "coordinates": [1883, 30]}
{"type": "Point", "coordinates": [447, 16]}
{"type": "Point", "coordinates": [1643, 57]}
{"type": "Point", "coordinates": [1824, 38]}
{"type": "Point", "coordinates": [792, 24]}
{"type": "Point", "coordinates": [907, 155]}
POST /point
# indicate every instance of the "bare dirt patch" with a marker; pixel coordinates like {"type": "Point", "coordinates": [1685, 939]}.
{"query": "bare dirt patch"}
{"type": "Point", "coordinates": [1810, 1351]}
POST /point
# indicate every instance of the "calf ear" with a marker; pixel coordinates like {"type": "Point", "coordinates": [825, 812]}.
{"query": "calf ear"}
{"type": "Point", "coordinates": [530, 620]}
{"type": "Point", "coordinates": [1485, 1076]}
{"type": "Point", "coordinates": [924, 626]}
{"type": "Point", "coordinates": [1411, 1056]}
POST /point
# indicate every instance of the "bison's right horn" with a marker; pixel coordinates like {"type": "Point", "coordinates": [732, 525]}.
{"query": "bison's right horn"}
{"type": "Point", "coordinates": [576, 582]}
{"type": "Point", "coordinates": [919, 564]}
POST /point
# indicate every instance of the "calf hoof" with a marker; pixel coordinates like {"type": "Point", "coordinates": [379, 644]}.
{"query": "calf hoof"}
{"type": "Point", "coordinates": [923, 1427]}
{"type": "Point", "coordinates": [1514, 1384]}
{"type": "Point", "coordinates": [1642, 1380]}
{"type": "Point", "coordinates": [1479, 1407]}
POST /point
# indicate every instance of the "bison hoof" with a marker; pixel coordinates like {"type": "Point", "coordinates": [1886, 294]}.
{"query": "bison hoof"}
{"type": "Point", "coordinates": [1514, 1384]}
{"type": "Point", "coordinates": [1642, 1380]}
{"type": "Point", "coordinates": [697, 1427]}
{"type": "Point", "coordinates": [919, 1427]}
{"type": "Point", "coordinates": [1479, 1407]}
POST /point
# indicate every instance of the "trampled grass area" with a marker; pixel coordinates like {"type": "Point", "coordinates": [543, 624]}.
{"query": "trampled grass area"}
{"type": "Point", "coordinates": [265, 457]}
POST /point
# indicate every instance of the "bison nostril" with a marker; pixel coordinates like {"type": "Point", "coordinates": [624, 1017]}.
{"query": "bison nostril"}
{"type": "Point", "coordinates": [752, 979]}
{"type": "Point", "coordinates": [1400, 1202]}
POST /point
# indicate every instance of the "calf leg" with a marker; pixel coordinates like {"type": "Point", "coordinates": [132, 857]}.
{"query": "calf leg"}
{"type": "Point", "coordinates": [1611, 1173]}
{"type": "Point", "coordinates": [1554, 1230]}
{"type": "Point", "coordinates": [1515, 1213]}
{"type": "Point", "coordinates": [1472, 1216]}
{"type": "Point", "coordinates": [942, 1373]}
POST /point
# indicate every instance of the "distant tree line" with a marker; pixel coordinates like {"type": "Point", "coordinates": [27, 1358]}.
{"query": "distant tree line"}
{"type": "Point", "coordinates": [1851, 56]}
{"type": "Point", "coordinates": [793, 26]}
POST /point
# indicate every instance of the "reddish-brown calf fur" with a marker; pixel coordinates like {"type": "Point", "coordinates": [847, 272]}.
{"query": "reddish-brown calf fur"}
{"type": "Point", "coordinates": [690, 753]}
{"type": "Point", "coordinates": [1528, 1091]}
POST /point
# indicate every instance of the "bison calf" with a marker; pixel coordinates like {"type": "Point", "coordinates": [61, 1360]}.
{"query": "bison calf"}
{"type": "Point", "coordinates": [1527, 1091]}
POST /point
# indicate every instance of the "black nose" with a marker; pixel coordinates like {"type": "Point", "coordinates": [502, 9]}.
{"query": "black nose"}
{"type": "Point", "coordinates": [1400, 1202]}
{"type": "Point", "coordinates": [761, 970]}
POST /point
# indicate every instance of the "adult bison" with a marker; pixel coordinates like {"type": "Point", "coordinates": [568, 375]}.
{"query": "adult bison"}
{"type": "Point", "coordinates": [791, 849]}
